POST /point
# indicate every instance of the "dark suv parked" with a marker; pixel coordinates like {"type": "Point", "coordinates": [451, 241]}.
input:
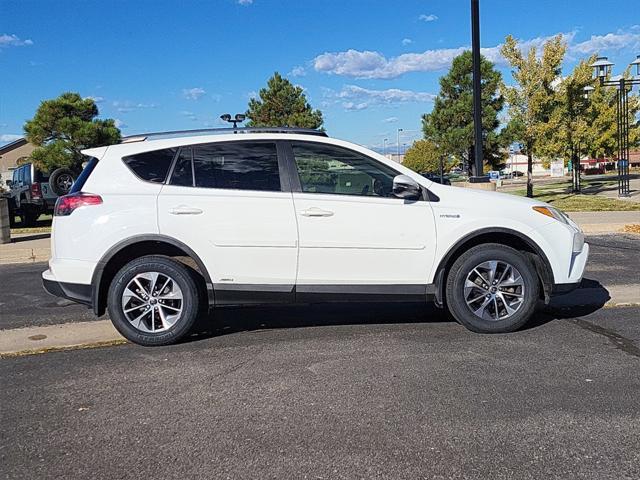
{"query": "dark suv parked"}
{"type": "Point", "coordinates": [33, 192]}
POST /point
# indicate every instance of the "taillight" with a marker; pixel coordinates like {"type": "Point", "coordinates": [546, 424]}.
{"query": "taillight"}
{"type": "Point", "coordinates": [36, 191]}
{"type": "Point", "coordinates": [67, 204]}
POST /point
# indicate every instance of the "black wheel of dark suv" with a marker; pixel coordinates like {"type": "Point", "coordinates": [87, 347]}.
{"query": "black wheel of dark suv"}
{"type": "Point", "coordinates": [153, 300]}
{"type": "Point", "coordinates": [492, 288]}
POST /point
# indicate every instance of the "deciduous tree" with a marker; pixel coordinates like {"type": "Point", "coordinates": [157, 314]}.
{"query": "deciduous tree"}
{"type": "Point", "coordinates": [532, 99]}
{"type": "Point", "coordinates": [424, 156]}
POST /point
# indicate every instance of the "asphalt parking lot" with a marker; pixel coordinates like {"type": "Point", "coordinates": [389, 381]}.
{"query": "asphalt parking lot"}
{"type": "Point", "coordinates": [355, 391]}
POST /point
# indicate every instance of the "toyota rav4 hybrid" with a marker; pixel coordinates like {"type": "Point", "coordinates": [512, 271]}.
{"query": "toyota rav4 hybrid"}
{"type": "Point", "coordinates": [162, 227]}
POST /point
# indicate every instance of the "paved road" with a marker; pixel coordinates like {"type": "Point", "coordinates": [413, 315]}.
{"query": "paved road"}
{"type": "Point", "coordinates": [377, 396]}
{"type": "Point", "coordinates": [615, 260]}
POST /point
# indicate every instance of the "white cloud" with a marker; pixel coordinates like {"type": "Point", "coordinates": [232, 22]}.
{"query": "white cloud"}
{"type": "Point", "coordinates": [353, 97]}
{"type": "Point", "coordinates": [355, 106]}
{"type": "Point", "coordinates": [245, 2]}
{"type": "Point", "coordinates": [119, 123]}
{"type": "Point", "coordinates": [95, 98]}
{"type": "Point", "coordinates": [368, 64]}
{"type": "Point", "coordinates": [10, 137]}
{"type": "Point", "coordinates": [610, 41]}
{"type": "Point", "coordinates": [190, 115]}
{"type": "Point", "coordinates": [428, 18]}
{"type": "Point", "coordinates": [127, 106]}
{"type": "Point", "coordinates": [390, 120]}
{"type": "Point", "coordinates": [407, 41]}
{"type": "Point", "coordinates": [7, 40]}
{"type": "Point", "coordinates": [297, 72]}
{"type": "Point", "coordinates": [193, 93]}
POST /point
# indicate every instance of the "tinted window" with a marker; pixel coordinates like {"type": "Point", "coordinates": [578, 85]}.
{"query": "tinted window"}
{"type": "Point", "coordinates": [82, 178]}
{"type": "Point", "coordinates": [329, 169]}
{"type": "Point", "coordinates": [27, 174]}
{"type": "Point", "coordinates": [183, 173]}
{"type": "Point", "coordinates": [242, 165]}
{"type": "Point", "coordinates": [151, 166]}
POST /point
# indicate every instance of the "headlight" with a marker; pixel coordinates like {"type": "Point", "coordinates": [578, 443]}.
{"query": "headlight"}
{"type": "Point", "coordinates": [553, 213]}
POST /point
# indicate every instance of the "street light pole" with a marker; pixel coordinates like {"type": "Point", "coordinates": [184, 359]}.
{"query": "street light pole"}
{"type": "Point", "coordinates": [602, 69]}
{"type": "Point", "coordinates": [477, 94]}
{"type": "Point", "coordinates": [398, 143]}
{"type": "Point", "coordinates": [384, 146]}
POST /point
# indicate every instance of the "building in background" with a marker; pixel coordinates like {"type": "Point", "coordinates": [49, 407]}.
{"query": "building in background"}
{"type": "Point", "coordinates": [11, 154]}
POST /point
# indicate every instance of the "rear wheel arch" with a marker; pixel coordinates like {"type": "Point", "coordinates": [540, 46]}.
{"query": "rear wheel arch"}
{"type": "Point", "coordinates": [499, 235]}
{"type": "Point", "coordinates": [138, 246]}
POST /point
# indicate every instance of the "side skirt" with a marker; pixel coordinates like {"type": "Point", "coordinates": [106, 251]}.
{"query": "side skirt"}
{"type": "Point", "coordinates": [226, 294]}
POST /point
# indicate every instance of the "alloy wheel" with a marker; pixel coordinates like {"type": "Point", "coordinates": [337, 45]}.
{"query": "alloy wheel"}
{"type": "Point", "coordinates": [152, 302]}
{"type": "Point", "coordinates": [494, 290]}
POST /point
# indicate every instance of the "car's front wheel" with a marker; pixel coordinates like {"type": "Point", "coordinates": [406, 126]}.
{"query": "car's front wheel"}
{"type": "Point", "coordinates": [492, 288]}
{"type": "Point", "coordinates": [153, 300]}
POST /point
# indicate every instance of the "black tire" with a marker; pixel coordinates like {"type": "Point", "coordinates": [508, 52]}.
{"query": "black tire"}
{"type": "Point", "coordinates": [455, 289]}
{"type": "Point", "coordinates": [184, 279]}
{"type": "Point", "coordinates": [30, 216]}
{"type": "Point", "coordinates": [61, 180]}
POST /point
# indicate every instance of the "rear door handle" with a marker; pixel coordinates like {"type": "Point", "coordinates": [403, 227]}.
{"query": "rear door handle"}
{"type": "Point", "coordinates": [184, 210]}
{"type": "Point", "coordinates": [316, 212]}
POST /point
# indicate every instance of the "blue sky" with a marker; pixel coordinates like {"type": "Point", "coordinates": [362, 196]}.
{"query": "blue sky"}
{"type": "Point", "coordinates": [371, 66]}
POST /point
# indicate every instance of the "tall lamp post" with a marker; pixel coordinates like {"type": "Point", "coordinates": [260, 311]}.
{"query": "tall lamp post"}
{"type": "Point", "coordinates": [477, 94]}
{"type": "Point", "coordinates": [398, 143]}
{"type": "Point", "coordinates": [602, 71]}
{"type": "Point", "coordinates": [384, 146]}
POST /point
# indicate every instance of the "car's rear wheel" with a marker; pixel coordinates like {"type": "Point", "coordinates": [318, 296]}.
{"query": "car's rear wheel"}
{"type": "Point", "coordinates": [153, 300]}
{"type": "Point", "coordinates": [492, 288]}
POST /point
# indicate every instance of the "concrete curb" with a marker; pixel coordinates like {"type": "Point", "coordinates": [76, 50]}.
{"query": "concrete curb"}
{"type": "Point", "coordinates": [32, 340]}
{"type": "Point", "coordinates": [56, 337]}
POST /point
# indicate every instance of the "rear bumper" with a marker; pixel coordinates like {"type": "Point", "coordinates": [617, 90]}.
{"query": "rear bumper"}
{"type": "Point", "coordinates": [75, 292]}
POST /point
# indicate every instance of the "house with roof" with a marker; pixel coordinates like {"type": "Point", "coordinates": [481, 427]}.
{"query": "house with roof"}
{"type": "Point", "coordinates": [11, 154]}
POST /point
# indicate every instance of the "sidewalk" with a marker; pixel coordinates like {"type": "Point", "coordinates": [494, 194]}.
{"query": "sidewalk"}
{"type": "Point", "coordinates": [26, 248]}
{"type": "Point", "coordinates": [604, 222]}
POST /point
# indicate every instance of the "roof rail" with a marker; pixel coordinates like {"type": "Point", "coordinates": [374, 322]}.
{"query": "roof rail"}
{"type": "Point", "coordinates": [220, 131]}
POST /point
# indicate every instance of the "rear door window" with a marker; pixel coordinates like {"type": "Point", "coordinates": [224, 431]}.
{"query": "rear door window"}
{"type": "Point", "coordinates": [229, 165]}
{"type": "Point", "coordinates": [151, 166]}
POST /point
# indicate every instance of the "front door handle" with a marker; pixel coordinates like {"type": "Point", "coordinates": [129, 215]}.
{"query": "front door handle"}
{"type": "Point", "coordinates": [316, 212]}
{"type": "Point", "coordinates": [184, 210]}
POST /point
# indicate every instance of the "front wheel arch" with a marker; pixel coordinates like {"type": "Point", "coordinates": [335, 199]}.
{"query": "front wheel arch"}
{"type": "Point", "coordinates": [503, 236]}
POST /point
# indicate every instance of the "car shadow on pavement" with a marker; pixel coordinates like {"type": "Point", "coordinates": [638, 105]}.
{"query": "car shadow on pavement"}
{"type": "Point", "coordinates": [228, 320]}
{"type": "Point", "coordinates": [590, 297]}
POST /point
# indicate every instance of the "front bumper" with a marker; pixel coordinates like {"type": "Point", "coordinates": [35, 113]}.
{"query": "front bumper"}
{"type": "Point", "coordinates": [576, 271]}
{"type": "Point", "coordinates": [75, 292]}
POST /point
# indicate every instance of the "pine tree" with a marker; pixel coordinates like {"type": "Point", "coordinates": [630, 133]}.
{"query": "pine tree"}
{"type": "Point", "coordinates": [282, 104]}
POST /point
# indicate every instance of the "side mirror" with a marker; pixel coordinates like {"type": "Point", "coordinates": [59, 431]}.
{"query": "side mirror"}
{"type": "Point", "coordinates": [406, 187]}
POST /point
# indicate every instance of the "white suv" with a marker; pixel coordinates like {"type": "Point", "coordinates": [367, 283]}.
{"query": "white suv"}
{"type": "Point", "coordinates": [161, 225]}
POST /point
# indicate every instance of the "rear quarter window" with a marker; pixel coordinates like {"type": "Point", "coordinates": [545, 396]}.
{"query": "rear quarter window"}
{"type": "Point", "coordinates": [151, 166]}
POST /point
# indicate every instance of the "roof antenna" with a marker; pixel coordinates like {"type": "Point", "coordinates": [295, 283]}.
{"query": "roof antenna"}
{"type": "Point", "coordinates": [239, 118]}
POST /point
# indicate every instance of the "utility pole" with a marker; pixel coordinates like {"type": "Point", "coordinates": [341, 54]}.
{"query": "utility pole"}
{"type": "Point", "coordinates": [477, 94]}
